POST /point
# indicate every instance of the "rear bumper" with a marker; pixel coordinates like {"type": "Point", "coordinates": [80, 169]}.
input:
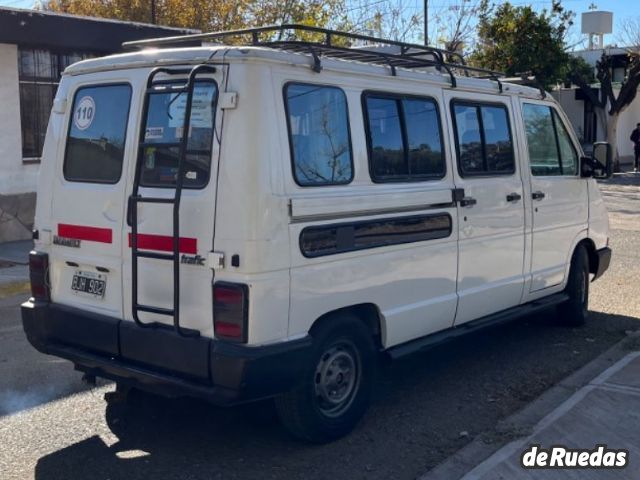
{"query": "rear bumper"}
{"type": "Point", "coordinates": [161, 361]}
{"type": "Point", "coordinates": [604, 259]}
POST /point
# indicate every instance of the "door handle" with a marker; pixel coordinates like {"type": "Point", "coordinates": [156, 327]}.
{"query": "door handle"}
{"type": "Point", "coordinates": [468, 201]}
{"type": "Point", "coordinates": [514, 197]}
{"type": "Point", "coordinates": [538, 195]}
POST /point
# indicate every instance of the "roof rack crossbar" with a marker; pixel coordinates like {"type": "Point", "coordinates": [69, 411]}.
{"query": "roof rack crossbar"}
{"type": "Point", "coordinates": [322, 42]}
{"type": "Point", "coordinates": [529, 80]}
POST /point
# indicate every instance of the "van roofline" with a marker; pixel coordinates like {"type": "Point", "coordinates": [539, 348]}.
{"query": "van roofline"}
{"type": "Point", "coordinates": [154, 57]}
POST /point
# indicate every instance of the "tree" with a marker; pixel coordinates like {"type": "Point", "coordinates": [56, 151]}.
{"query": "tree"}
{"type": "Point", "coordinates": [210, 15]}
{"type": "Point", "coordinates": [390, 19]}
{"type": "Point", "coordinates": [517, 39]}
{"type": "Point", "coordinates": [455, 25]}
{"type": "Point", "coordinates": [610, 102]}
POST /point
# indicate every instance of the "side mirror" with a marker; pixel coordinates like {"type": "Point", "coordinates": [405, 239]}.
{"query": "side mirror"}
{"type": "Point", "coordinates": [600, 164]}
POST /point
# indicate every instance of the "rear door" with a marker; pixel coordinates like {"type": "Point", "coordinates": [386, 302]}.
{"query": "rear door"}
{"type": "Point", "coordinates": [159, 135]}
{"type": "Point", "coordinates": [89, 194]}
{"type": "Point", "coordinates": [491, 217]}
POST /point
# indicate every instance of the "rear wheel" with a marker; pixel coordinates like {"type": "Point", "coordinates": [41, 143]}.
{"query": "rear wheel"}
{"type": "Point", "coordinates": [574, 311]}
{"type": "Point", "coordinates": [335, 390]}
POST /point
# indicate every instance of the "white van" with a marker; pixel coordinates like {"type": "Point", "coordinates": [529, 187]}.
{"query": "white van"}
{"type": "Point", "coordinates": [263, 219]}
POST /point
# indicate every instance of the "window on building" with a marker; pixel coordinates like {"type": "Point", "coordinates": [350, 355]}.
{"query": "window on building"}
{"type": "Point", "coordinates": [319, 135]}
{"type": "Point", "coordinates": [483, 139]}
{"type": "Point", "coordinates": [551, 151]}
{"type": "Point", "coordinates": [403, 138]}
{"type": "Point", "coordinates": [39, 74]}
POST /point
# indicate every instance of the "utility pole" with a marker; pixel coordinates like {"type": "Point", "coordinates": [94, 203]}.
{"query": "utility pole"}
{"type": "Point", "coordinates": [426, 22]}
{"type": "Point", "coordinates": [153, 11]}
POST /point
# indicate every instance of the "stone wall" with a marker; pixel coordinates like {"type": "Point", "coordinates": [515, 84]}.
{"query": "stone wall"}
{"type": "Point", "coordinates": [16, 216]}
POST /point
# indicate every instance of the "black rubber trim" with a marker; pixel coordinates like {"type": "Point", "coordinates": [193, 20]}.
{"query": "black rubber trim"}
{"type": "Point", "coordinates": [318, 241]}
{"type": "Point", "coordinates": [604, 260]}
{"type": "Point", "coordinates": [160, 360]}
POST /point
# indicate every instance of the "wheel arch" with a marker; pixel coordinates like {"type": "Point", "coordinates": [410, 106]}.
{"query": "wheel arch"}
{"type": "Point", "coordinates": [590, 246]}
{"type": "Point", "coordinates": [367, 313]}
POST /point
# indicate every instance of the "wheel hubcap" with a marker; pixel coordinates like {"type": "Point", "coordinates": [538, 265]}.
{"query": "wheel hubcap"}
{"type": "Point", "coordinates": [337, 377]}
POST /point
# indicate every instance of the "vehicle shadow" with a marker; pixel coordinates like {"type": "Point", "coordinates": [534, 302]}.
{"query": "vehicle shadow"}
{"type": "Point", "coordinates": [427, 406]}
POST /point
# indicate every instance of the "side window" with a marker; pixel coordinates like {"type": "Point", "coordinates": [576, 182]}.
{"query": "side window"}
{"type": "Point", "coordinates": [483, 139]}
{"type": "Point", "coordinates": [163, 134]}
{"type": "Point", "coordinates": [404, 138]}
{"type": "Point", "coordinates": [551, 151]}
{"type": "Point", "coordinates": [318, 125]}
{"type": "Point", "coordinates": [541, 140]}
{"type": "Point", "coordinates": [97, 131]}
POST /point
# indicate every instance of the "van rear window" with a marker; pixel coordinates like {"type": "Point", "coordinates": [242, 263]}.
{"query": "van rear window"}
{"type": "Point", "coordinates": [162, 135]}
{"type": "Point", "coordinates": [319, 136]}
{"type": "Point", "coordinates": [97, 131]}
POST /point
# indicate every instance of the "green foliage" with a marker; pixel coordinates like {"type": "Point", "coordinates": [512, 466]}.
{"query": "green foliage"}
{"type": "Point", "coordinates": [518, 40]}
{"type": "Point", "coordinates": [577, 67]}
{"type": "Point", "coordinates": [211, 15]}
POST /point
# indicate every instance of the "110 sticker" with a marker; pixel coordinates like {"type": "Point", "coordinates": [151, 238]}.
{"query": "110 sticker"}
{"type": "Point", "coordinates": [84, 113]}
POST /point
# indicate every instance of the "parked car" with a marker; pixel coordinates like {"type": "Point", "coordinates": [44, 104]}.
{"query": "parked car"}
{"type": "Point", "coordinates": [239, 222]}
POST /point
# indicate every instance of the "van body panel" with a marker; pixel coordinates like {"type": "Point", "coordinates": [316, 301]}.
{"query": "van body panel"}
{"type": "Point", "coordinates": [411, 284]}
{"type": "Point", "coordinates": [598, 218]}
{"type": "Point", "coordinates": [558, 218]}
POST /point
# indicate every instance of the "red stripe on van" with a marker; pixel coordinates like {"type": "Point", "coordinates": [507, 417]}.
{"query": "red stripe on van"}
{"type": "Point", "coordinates": [81, 232]}
{"type": "Point", "coordinates": [164, 243]}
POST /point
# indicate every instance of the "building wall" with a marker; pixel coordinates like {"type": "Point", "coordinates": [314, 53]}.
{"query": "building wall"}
{"type": "Point", "coordinates": [17, 180]}
{"type": "Point", "coordinates": [573, 108]}
{"type": "Point", "coordinates": [626, 123]}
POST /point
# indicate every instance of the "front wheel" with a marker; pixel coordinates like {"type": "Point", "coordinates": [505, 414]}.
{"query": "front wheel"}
{"type": "Point", "coordinates": [335, 390]}
{"type": "Point", "coordinates": [574, 311]}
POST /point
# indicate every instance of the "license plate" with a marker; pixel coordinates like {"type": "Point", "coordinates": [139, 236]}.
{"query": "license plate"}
{"type": "Point", "coordinates": [89, 283]}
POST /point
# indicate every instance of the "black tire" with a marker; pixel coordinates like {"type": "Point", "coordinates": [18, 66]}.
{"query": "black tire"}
{"type": "Point", "coordinates": [574, 312]}
{"type": "Point", "coordinates": [327, 405]}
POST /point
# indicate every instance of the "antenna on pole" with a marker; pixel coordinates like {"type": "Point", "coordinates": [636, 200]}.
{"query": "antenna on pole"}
{"type": "Point", "coordinates": [426, 22]}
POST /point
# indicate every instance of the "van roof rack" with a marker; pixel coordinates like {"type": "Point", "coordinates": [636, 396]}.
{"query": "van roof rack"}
{"type": "Point", "coordinates": [527, 79]}
{"type": "Point", "coordinates": [322, 42]}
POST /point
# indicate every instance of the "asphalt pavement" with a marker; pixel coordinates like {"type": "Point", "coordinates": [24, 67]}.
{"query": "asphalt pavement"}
{"type": "Point", "coordinates": [428, 406]}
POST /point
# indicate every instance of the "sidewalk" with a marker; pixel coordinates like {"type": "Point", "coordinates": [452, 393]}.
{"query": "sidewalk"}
{"type": "Point", "coordinates": [14, 267]}
{"type": "Point", "coordinates": [605, 411]}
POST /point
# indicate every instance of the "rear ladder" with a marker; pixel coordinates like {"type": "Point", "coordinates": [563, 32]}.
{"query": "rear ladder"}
{"type": "Point", "coordinates": [135, 198]}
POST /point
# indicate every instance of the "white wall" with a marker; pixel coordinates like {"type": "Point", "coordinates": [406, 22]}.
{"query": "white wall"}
{"type": "Point", "coordinates": [15, 177]}
{"type": "Point", "coordinates": [626, 123]}
{"type": "Point", "coordinates": [573, 108]}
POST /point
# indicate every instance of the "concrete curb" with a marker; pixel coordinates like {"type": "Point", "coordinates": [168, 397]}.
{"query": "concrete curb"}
{"type": "Point", "coordinates": [522, 423]}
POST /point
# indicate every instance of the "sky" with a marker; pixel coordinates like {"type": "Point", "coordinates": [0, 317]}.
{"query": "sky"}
{"type": "Point", "coordinates": [622, 10]}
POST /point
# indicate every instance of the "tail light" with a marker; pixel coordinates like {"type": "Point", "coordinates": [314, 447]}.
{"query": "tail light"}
{"type": "Point", "coordinates": [39, 276]}
{"type": "Point", "coordinates": [230, 311]}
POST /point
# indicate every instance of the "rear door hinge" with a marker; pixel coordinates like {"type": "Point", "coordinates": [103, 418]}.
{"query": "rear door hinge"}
{"type": "Point", "coordinates": [228, 100]}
